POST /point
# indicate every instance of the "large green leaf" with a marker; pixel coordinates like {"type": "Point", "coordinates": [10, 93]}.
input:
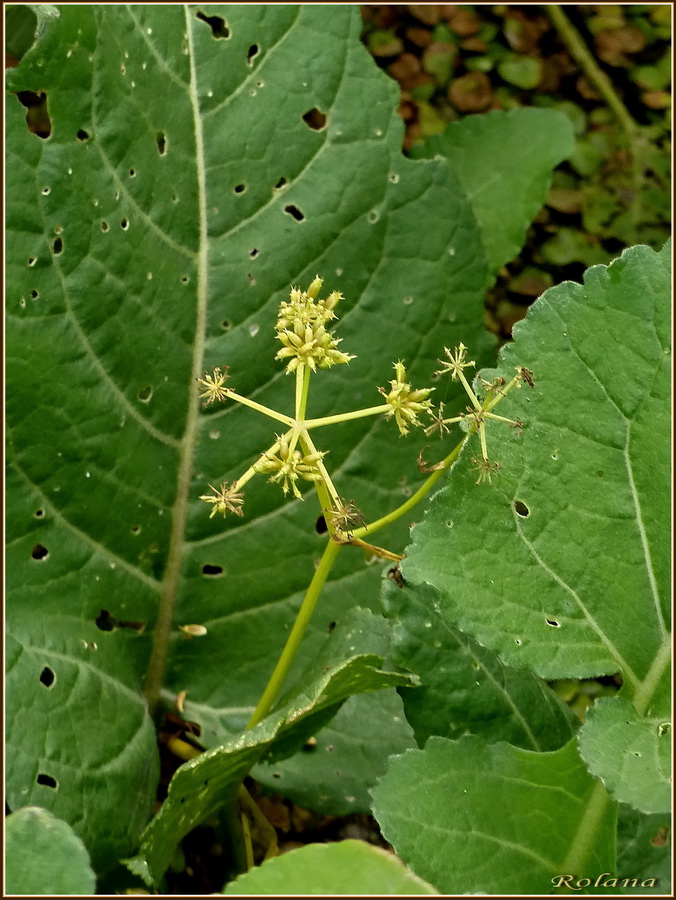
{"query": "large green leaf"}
{"type": "Point", "coordinates": [561, 564]}
{"type": "Point", "coordinates": [44, 856]}
{"type": "Point", "coordinates": [201, 787]}
{"type": "Point", "coordinates": [504, 160]}
{"type": "Point", "coordinates": [471, 817]}
{"type": "Point", "coordinates": [151, 236]}
{"type": "Point", "coordinates": [466, 688]}
{"type": "Point", "coordinates": [348, 867]}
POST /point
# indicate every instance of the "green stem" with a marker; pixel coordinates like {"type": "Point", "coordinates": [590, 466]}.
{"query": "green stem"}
{"type": "Point", "coordinates": [414, 498]}
{"type": "Point", "coordinates": [346, 417]}
{"type": "Point", "coordinates": [290, 650]}
{"type": "Point", "coordinates": [585, 839]}
{"type": "Point", "coordinates": [303, 374]}
{"type": "Point", "coordinates": [309, 447]}
{"type": "Point", "coordinates": [648, 686]}
{"type": "Point", "coordinates": [273, 414]}
{"type": "Point", "coordinates": [580, 52]}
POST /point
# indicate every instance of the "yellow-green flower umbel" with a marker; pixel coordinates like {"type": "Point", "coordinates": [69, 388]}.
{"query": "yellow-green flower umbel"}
{"type": "Point", "coordinates": [301, 327]}
{"type": "Point", "coordinates": [404, 402]}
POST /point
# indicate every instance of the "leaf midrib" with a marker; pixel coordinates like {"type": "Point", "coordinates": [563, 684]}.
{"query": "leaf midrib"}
{"type": "Point", "coordinates": [172, 576]}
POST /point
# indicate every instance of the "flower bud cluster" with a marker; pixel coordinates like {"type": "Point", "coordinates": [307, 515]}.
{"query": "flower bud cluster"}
{"type": "Point", "coordinates": [288, 465]}
{"type": "Point", "coordinates": [301, 327]}
{"type": "Point", "coordinates": [404, 402]}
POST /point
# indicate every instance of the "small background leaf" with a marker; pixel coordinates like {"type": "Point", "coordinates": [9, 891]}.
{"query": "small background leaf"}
{"type": "Point", "coordinates": [490, 819]}
{"type": "Point", "coordinates": [347, 867]}
{"type": "Point", "coordinates": [629, 753]}
{"type": "Point", "coordinates": [44, 856]}
{"type": "Point", "coordinates": [505, 198]}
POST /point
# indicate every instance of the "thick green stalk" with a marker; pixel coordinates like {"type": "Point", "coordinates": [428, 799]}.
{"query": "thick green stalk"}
{"type": "Point", "coordinates": [290, 650]}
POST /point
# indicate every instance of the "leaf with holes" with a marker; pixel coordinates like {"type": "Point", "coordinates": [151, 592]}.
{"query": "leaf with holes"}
{"type": "Point", "coordinates": [44, 856]}
{"type": "Point", "coordinates": [193, 171]}
{"type": "Point", "coordinates": [465, 688]}
{"type": "Point", "coordinates": [346, 867]}
{"type": "Point", "coordinates": [561, 565]}
{"type": "Point", "coordinates": [531, 142]}
{"type": "Point", "coordinates": [190, 171]}
{"type": "Point", "coordinates": [471, 817]}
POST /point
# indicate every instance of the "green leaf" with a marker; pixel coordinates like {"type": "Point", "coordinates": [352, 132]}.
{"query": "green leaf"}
{"type": "Point", "coordinates": [644, 850]}
{"type": "Point", "coordinates": [347, 867]}
{"type": "Point", "coordinates": [630, 753]}
{"type": "Point", "coordinates": [470, 817]}
{"type": "Point", "coordinates": [44, 856]}
{"type": "Point", "coordinates": [465, 688]}
{"type": "Point", "coordinates": [333, 774]}
{"type": "Point", "coordinates": [522, 71]}
{"type": "Point", "coordinates": [505, 199]}
{"type": "Point", "coordinates": [152, 236]}
{"type": "Point", "coordinates": [593, 461]}
{"type": "Point", "coordinates": [207, 783]}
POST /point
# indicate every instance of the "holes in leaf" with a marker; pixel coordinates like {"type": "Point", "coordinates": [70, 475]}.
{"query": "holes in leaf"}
{"type": "Point", "coordinates": [254, 253]}
{"type": "Point", "coordinates": [315, 119]}
{"type": "Point", "coordinates": [37, 117]}
{"type": "Point", "coordinates": [57, 246]}
{"type": "Point", "coordinates": [31, 261]}
{"type": "Point", "coordinates": [174, 197]}
{"type": "Point", "coordinates": [39, 551]}
{"type": "Point", "coordinates": [239, 188]}
{"type": "Point", "coordinates": [332, 625]}
{"type": "Point", "coordinates": [663, 728]}
{"type": "Point", "coordinates": [517, 641]}
{"type": "Point", "coordinates": [276, 774]}
{"type": "Point", "coordinates": [136, 529]}
{"type": "Point", "coordinates": [47, 677]}
{"type": "Point", "coordinates": [161, 141]}
{"type": "Point", "coordinates": [104, 621]}
{"type": "Point", "coordinates": [281, 183]}
{"type": "Point", "coordinates": [373, 216]}
{"type": "Point", "coordinates": [252, 53]}
{"type": "Point", "coordinates": [321, 526]}
{"type": "Point", "coordinates": [295, 212]}
{"type": "Point", "coordinates": [34, 295]}
{"type": "Point", "coordinates": [553, 623]}
{"type": "Point", "coordinates": [83, 135]}
{"type": "Point", "coordinates": [219, 29]}
{"type": "Point", "coordinates": [124, 224]}
{"type": "Point", "coordinates": [212, 571]}
{"type": "Point", "coordinates": [47, 781]}
{"type": "Point", "coordinates": [521, 509]}
{"type": "Point", "coordinates": [226, 324]}
{"type": "Point", "coordinates": [132, 173]}
{"type": "Point", "coordinates": [39, 513]}
{"type": "Point", "coordinates": [250, 279]}
{"type": "Point", "coordinates": [46, 191]}
{"type": "Point", "coordinates": [145, 393]}
{"type": "Point", "coordinates": [105, 227]}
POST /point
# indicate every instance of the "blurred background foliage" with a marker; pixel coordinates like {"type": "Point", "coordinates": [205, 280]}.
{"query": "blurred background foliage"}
{"type": "Point", "coordinates": [453, 61]}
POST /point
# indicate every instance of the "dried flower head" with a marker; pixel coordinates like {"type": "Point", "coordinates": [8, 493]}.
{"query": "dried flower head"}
{"type": "Point", "coordinates": [214, 385]}
{"type": "Point", "coordinates": [224, 500]}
